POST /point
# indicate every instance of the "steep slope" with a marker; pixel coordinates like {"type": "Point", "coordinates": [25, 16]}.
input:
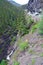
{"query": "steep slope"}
{"type": "Point", "coordinates": [35, 5]}
{"type": "Point", "coordinates": [8, 15]}
{"type": "Point", "coordinates": [12, 21]}
{"type": "Point", "coordinates": [14, 3]}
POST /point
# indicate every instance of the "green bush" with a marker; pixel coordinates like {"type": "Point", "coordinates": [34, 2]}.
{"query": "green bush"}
{"type": "Point", "coordinates": [29, 20]}
{"type": "Point", "coordinates": [41, 45]}
{"type": "Point", "coordinates": [4, 62]}
{"type": "Point", "coordinates": [40, 27]}
{"type": "Point", "coordinates": [23, 46]}
{"type": "Point", "coordinates": [41, 55]}
{"type": "Point", "coordinates": [13, 39]}
{"type": "Point", "coordinates": [31, 51]}
{"type": "Point", "coordinates": [33, 61]}
{"type": "Point", "coordinates": [34, 27]}
{"type": "Point", "coordinates": [16, 63]}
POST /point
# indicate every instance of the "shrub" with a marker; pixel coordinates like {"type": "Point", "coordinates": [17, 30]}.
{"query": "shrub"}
{"type": "Point", "coordinates": [13, 39]}
{"type": "Point", "coordinates": [41, 45]}
{"type": "Point", "coordinates": [33, 61]}
{"type": "Point", "coordinates": [34, 27]}
{"type": "Point", "coordinates": [23, 46]}
{"type": "Point", "coordinates": [4, 62]}
{"type": "Point", "coordinates": [41, 55]}
{"type": "Point", "coordinates": [31, 51]}
{"type": "Point", "coordinates": [30, 21]}
{"type": "Point", "coordinates": [40, 27]}
{"type": "Point", "coordinates": [16, 63]}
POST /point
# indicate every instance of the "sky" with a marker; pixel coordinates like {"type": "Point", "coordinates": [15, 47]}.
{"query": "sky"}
{"type": "Point", "coordinates": [21, 1]}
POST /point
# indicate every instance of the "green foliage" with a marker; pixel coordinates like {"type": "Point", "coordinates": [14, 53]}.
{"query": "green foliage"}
{"type": "Point", "coordinates": [41, 55]}
{"type": "Point", "coordinates": [21, 24]}
{"type": "Point", "coordinates": [13, 39]}
{"type": "Point", "coordinates": [40, 27]}
{"type": "Point", "coordinates": [23, 46]}
{"type": "Point", "coordinates": [16, 63]}
{"type": "Point", "coordinates": [31, 51]}
{"type": "Point", "coordinates": [33, 61]}
{"type": "Point", "coordinates": [29, 20]}
{"type": "Point", "coordinates": [7, 15]}
{"type": "Point", "coordinates": [3, 62]}
{"type": "Point", "coordinates": [12, 17]}
{"type": "Point", "coordinates": [41, 45]}
{"type": "Point", "coordinates": [34, 27]}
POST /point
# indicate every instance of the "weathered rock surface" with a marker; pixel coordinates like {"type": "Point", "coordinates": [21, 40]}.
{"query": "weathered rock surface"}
{"type": "Point", "coordinates": [35, 5]}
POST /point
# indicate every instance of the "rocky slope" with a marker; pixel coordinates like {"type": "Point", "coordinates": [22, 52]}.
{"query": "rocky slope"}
{"type": "Point", "coordinates": [35, 5]}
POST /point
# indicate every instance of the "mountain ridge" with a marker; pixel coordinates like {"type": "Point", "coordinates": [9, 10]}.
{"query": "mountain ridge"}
{"type": "Point", "coordinates": [14, 3]}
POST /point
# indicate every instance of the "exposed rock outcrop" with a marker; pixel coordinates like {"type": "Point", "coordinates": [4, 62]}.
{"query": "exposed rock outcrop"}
{"type": "Point", "coordinates": [35, 5]}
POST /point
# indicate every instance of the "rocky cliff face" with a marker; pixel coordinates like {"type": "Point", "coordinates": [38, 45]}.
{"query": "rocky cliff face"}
{"type": "Point", "coordinates": [35, 5]}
